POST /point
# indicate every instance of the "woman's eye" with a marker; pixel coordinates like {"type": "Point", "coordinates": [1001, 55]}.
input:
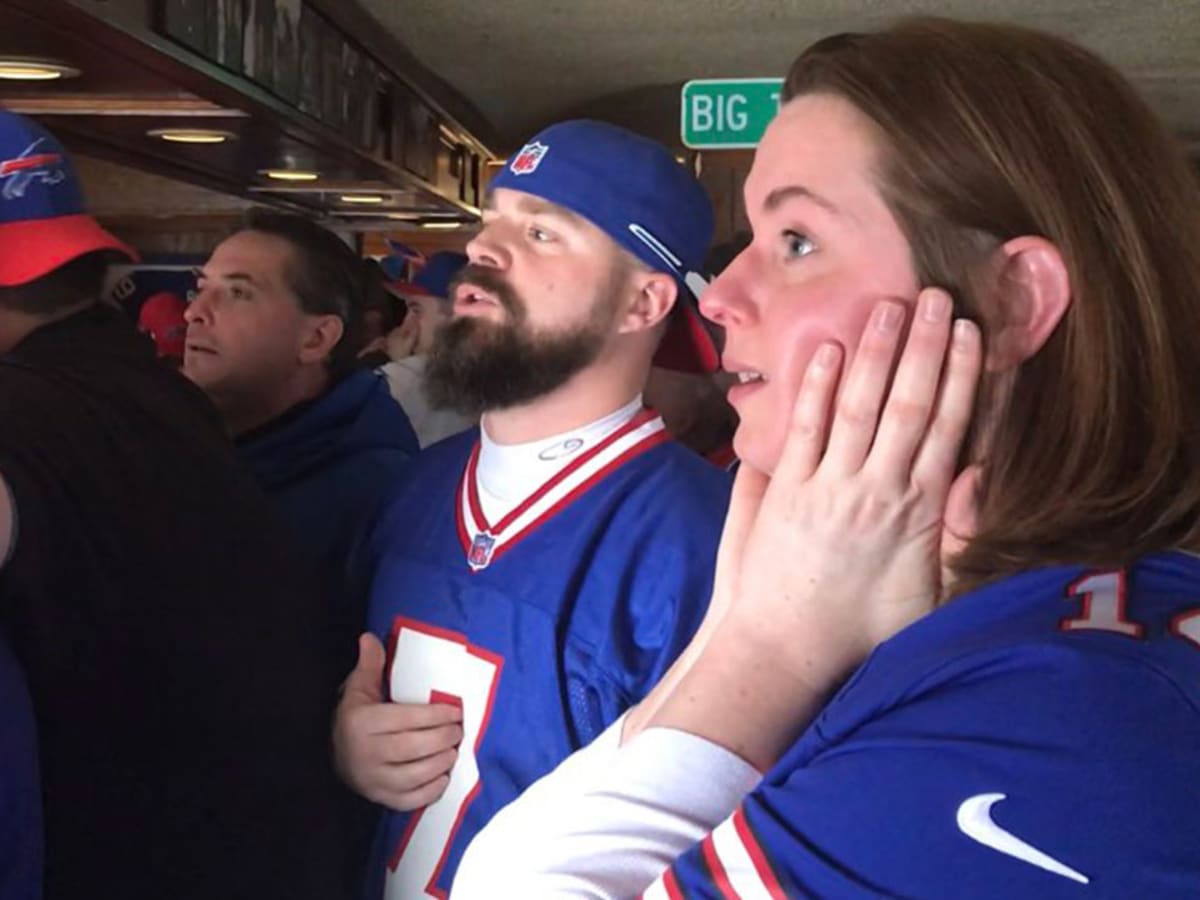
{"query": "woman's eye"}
{"type": "Point", "coordinates": [798, 245]}
{"type": "Point", "coordinates": [540, 234]}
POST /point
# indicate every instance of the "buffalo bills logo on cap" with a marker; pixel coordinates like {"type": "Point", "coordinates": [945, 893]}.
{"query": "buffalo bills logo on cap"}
{"type": "Point", "coordinates": [530, 157]}
{"type": "Point", "coordinates": [17, 174]}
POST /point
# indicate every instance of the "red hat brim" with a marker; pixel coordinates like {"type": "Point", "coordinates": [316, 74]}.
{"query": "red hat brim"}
{"type": "Point", "coordinates": [36, 247]}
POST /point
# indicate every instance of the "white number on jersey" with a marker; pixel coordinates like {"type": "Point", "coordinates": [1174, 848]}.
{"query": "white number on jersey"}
{"type": "Point", "coordinates": [1103, 597]}
{"type": "Point", "coordinates": [431, 665]}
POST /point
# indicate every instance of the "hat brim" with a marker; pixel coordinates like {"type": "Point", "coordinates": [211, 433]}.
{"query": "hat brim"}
{"type": "Point", "coordinates": [405, 289]}
{"type": "Point", "coordinates": [37, 247]}
{"type": "Point", "coordinates": [688, 345]}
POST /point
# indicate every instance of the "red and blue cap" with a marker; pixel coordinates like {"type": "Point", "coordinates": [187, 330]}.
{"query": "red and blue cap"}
{"type": "Point", "coordinates": [42, 222]}
{"type": "Point", "coordinates": [439, 270]}
{"type": "Point", "coordinates": [635, 191]}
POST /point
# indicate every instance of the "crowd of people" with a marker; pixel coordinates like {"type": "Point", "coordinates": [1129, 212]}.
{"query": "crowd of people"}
{"type": "Point", "coordinates": [402, 588]}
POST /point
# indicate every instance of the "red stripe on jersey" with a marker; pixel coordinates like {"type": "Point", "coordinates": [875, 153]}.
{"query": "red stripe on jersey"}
{"type": "Point", "coordinates": [757, 856]}
{"type": "Point", "coordinates": [469, 486]}
{"type": "Point", "coordinates": [671, 885]}
{"type": "Point", "coordinates": [716, 870]}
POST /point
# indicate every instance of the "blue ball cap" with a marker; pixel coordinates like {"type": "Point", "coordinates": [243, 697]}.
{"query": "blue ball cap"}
{"type": "Point", "coordinates": [635, 191]}
{"type": "Point", "coordinates": [42, 221]}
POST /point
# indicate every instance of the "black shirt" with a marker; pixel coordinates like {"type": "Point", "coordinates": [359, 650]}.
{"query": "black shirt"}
{"type": "Point", "coordinates": [173, 644]}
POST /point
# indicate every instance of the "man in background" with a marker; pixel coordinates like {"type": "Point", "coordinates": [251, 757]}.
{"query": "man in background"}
{"type": "Point", "coordinates": [273, 338]}
{"type": "Point", "coordinates": [429, 308]}
{"type": "Point", "coordinates": [173, 643]}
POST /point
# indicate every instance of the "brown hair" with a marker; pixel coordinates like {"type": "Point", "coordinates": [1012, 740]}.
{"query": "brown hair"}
{"type": "Point", "coordinates": [325, 275]}
{"type": "Point", "coordinates": [990, 132]}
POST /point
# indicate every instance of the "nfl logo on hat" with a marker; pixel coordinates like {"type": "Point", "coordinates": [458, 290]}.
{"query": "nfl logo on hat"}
{"type": "Point", "coordinates": [530, 157]}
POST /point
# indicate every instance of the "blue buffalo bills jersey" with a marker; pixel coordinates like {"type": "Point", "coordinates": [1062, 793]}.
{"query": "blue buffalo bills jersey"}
{"type": "Point", "coordinates": [544, 626]}
{"type": "Point", "coordinates": [1036, 738]}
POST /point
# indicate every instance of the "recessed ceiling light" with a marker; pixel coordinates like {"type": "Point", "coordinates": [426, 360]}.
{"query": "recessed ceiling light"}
{"type": "Point", "coordinates": [440, 226]}
{"type": "Point", "coordinates": [191, 135]}
{"type": "Point", "coordinates": [290, 174]}
{"type": "Point", "coordinates": [22, 68]}
{"type": "Point", "coordinates": [361, 198]}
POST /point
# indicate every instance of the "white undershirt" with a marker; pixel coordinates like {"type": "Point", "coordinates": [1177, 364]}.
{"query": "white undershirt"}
{"type": "Point", "coordinates": [509, 473]}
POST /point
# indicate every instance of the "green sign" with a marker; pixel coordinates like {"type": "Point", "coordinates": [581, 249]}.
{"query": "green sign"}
{"type": "Point", "coordinates": [726, 113]}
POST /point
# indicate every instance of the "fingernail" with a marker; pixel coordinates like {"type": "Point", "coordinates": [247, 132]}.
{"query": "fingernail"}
{"type": "Point", "coordinates": [826, 356]}
{"type": "Point", "coordinates": [963, 332]}
{"type": "Point", "coordinates": [935, 306]}
{"type": "Point", "coordinates": [888, 317]}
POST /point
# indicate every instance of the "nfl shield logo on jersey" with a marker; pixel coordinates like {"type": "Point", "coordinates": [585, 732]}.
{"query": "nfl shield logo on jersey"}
{"type": "Point", "coordinates": [481, 551]}
{"type": "Point", "coordinates": [530, 157]}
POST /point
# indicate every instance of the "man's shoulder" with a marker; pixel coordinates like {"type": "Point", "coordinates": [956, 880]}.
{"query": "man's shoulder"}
{"type": "Point", "coordinates": [671, 484]}
{"type": "Point", "coordinates": [433, 474]}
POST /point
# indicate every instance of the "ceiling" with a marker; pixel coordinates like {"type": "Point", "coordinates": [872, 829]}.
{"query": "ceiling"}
{"type": "Point", "coordinates": [526, 63]}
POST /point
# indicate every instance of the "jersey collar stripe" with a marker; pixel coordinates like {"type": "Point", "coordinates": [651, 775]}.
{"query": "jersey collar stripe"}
{"type": "Point", "coordinates": [644, 432]}
{"type": "Point", "coordinates": [471, 494]}
{"type": "Point", "coordinates": [641, 418]}
{"type": "Point", "coordinates": [647, 443]}
{"type": "Point", "coordinates": [666, 888]}
{"type": "Point", "coordinates": [632, 444]}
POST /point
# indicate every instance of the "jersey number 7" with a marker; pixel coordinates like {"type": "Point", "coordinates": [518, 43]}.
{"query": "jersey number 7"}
{"type": "Point", "coordinates": [432, 665]}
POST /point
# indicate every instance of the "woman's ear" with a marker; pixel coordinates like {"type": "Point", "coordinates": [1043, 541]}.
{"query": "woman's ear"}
{"type": "Point", "coordinates": [1028, 290]}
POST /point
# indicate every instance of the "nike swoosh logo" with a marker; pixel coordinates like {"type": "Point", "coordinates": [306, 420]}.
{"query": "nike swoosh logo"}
{"type": "Point", "coordinates": [975, 821]}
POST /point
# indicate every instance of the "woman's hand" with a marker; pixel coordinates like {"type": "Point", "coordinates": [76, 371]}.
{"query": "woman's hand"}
{"type": "Point", "coordinates": [846, 539]}
{"type": "Point", "coordinates": [839, 549]}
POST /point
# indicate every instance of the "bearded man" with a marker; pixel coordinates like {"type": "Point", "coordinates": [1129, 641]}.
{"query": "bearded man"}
{"type": "Point", "coordinates": [538, 574]}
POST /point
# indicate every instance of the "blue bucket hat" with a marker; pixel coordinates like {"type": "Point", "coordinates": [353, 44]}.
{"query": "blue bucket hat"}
{"type": "Point", "coordinates": [633, 190]}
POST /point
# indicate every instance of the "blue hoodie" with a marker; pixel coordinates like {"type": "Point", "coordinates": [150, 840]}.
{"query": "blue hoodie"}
{"type": "Point", "coordinates": [327, 464]}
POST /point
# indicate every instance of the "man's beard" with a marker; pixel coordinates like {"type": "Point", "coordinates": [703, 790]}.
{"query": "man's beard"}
{"type": "Point", "coordinates": [476, 365]}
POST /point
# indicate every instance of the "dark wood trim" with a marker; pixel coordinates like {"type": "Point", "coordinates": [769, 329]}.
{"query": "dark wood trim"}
{"type": "Point", "coordinates": [391, 53]}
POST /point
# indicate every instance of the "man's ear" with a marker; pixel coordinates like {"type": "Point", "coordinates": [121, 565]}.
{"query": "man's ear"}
{"type": "Point", "coordinates": [653, 296]}
{"type": "Point", "coordinates": [321, 336]}
{"type": "Point", "coordinates": [1028, 292]}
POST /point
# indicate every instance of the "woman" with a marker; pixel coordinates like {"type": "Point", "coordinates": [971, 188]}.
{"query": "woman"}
{"type": "Point", "coordinates": [961, 643]}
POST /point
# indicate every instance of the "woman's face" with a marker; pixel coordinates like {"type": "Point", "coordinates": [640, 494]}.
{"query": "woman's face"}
{"type": "Point", "coordinates": [826, 249]}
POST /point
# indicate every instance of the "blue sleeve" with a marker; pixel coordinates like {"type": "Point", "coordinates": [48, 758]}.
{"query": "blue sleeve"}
{"type": "Point", "coordinates": [1048, 774]}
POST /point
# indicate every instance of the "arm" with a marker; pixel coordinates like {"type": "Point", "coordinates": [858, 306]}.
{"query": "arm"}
{"type": "Point", "coordinates": [569, 834]}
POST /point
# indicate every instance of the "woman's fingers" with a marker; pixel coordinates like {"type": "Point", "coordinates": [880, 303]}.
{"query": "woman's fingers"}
{"type": "Point", "coordinates": [863, 391]}
{"type": "Point", "coordinates": [807, 432]}
{"type": "Point", "coordinates": [914, 390]}
{"type": "Point", "coordinates": [934, 466]}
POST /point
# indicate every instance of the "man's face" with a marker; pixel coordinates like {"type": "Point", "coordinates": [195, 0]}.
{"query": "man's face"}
{"type": "Point", "coordinates": [246, 329]}
{"type": "Point", "coordinates": [539, 302]}
{"type": "Point", "coordinates": [427, 315]}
